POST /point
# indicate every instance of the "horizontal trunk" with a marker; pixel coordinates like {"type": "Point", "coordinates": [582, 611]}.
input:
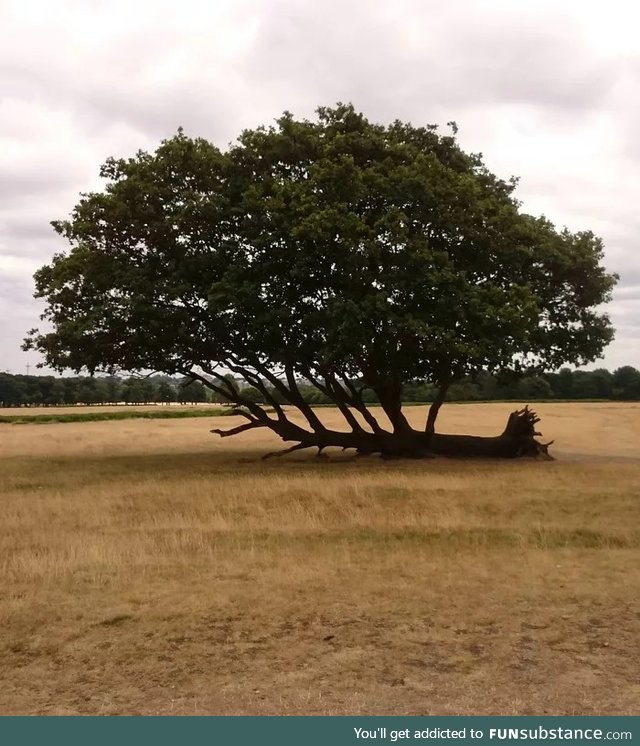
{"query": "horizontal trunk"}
{"type": "Point", "coordinates": [517, 440]}
{"type": "Point", "coordinates": [501, 446]}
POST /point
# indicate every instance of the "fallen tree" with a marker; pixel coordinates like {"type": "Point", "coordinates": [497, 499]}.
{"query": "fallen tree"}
{"type": "Point", "coordinates": [335, 252]}
{"type": "Point", "coordinates": [517, 440]}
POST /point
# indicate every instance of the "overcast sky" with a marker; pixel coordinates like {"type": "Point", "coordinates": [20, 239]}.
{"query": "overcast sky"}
{"type": "Point", "coordinates": [548, 90]}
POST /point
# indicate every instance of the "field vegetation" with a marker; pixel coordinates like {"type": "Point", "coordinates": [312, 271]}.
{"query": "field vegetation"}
{"type": "Point", "coordinates": [100, 414]}
{"type": "Point", "coordinates": [148, 567]}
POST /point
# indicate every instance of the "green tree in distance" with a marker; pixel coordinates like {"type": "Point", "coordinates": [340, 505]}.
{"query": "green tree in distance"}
{"type": "Point", "coordinates": [166, 392]}
{"type": "Point", "coordinates": [336, 253]}
{"type": "Point", "coordinates": [191, 392]}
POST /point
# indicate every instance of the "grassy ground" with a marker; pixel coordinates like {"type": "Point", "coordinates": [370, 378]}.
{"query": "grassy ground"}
{"type": "Point", "coordinates": [87, 414]}
{"type": "Point", "coordinates": [149, 567]}
{"type": "Point", "coordinates": [84, 409]}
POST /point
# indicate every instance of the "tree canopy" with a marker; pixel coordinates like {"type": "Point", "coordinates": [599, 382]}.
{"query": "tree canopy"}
{"type": "Point", "coordinates": [344, 253]}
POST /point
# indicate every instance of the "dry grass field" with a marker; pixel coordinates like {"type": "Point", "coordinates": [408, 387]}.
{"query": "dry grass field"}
{"type": "Point", "coordinates": [148, 567]}
{"type": "Point", "coordinates": [95, 408]}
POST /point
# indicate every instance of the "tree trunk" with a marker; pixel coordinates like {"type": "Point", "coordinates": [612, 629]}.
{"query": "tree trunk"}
{"type": "Point", "coordinates": [517, 439]}
{"type": "Point", "coordinates": [430, 426]}
{"type": "Point", "coordinates": [389, 393]}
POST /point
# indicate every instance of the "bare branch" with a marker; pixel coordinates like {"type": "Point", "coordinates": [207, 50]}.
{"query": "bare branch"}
{"type": "Point", "coordinates": [296, 447]}
{"type": "Point", "coordinates": [303, 406]}
{"type": "Point", "coordinates": [255, 381]}
{"type": "Point", "coordinates": [430, 425]}
{"type": "Point", "coordinates": [242, 413]}
{"type": "Point", "coordinates": [333, 390]}
{"type": "Point", "coordinates": [342, 399]}
{"type": "Point", "coordinates": [239, 429]}
{"type": "Point", "coordinates": [359, 405]}
{"type": "Point", "coordinates": [232, 393]}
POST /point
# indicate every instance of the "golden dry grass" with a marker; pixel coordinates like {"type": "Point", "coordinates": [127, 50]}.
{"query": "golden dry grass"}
{"type": "Point", "coordinates": [148, 567]}
{"type": "Point", "coordinates": [96, 408]}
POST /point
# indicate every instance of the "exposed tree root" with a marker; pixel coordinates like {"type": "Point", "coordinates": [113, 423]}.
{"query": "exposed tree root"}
{"type": "Point", "coordinates": [517, 440]}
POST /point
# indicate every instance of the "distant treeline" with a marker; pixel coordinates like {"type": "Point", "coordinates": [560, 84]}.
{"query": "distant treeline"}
{"type": "Point", "coordinates": [18, 390]}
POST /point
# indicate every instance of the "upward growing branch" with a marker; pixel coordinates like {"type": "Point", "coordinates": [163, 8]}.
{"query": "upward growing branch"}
{"type": "Point", "coordinates": [434, 409]}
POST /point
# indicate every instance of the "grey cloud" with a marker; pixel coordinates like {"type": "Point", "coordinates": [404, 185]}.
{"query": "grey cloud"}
{"type": "Point", "coordinates": [630, 291]}
{"type": "Point", "coordinates": [23, 184]}
{"type": "Point", "coordinates": [475, 59]}
{"type": "Point", "coordinates": [23, 228]}
{"type": "Point", "coordinates": [627, 92]}
{"type": "Point", "coordinates": [622, 258]}
{"type": "Point", "coordinates": [16, 297]}
{"type": "Point", "coordinates": [495, 67]}
{"type": "Point", "coordinates": [28, 235]}
{"type": "Point", "coordinates": [20, 312]}
{"type": "Point", "coordinates": [38, 250]}
{"type": "Point", "coordinates": [12, 334]}
{"type": "Point", "coordinates": [118, 84]}
{"type": "Point", "coordinates": [629, 277]}
{"type": "Point", "coordinates": [303, 54]}
{"type": "Point", "coordinates": [626, 308]}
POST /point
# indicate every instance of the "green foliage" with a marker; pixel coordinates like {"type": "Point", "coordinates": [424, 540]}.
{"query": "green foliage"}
{"type": "Point", "coordinates": [334, 246]}
{"type": "Point", "coordinates": [165, 392]}
{"type": "Point", "coordinates": [49, 391]}
{"type": "Point", "coordinates": [626, 383]}
{"type": "Point", "coordinates": [191, 392]}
